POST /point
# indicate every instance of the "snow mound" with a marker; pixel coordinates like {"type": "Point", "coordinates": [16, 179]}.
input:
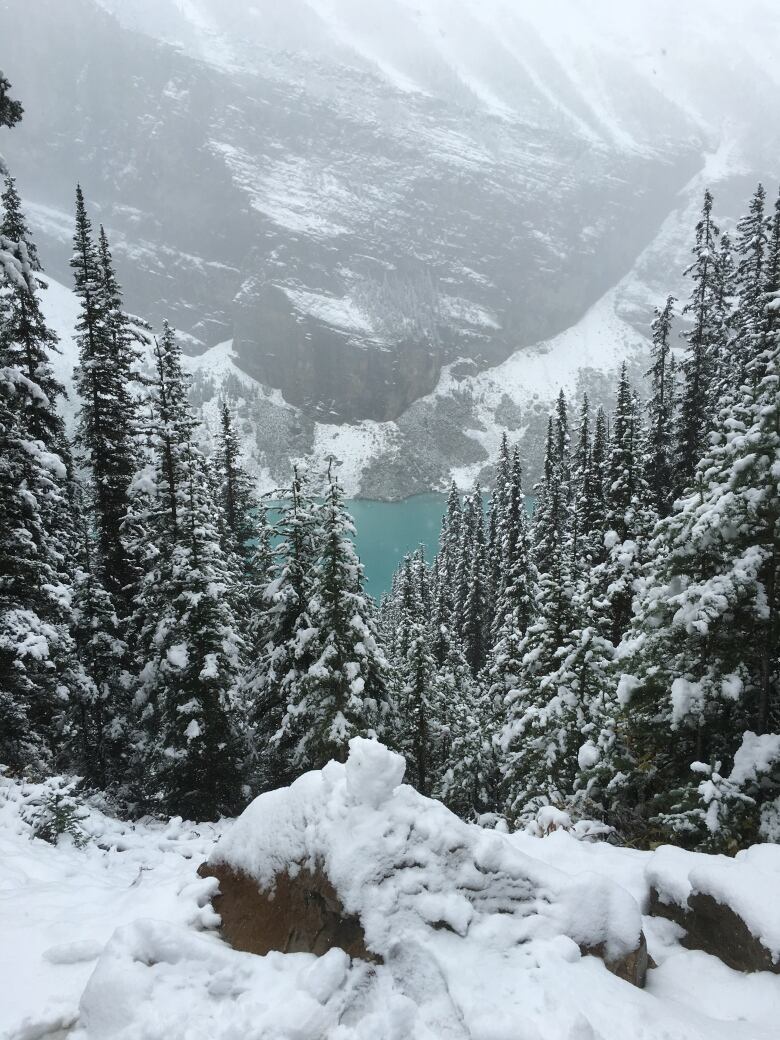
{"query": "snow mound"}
{"type": "Point", "coordinates": [409, 869]}
{"type": "Point", "coordinates": [137, 989]}
{"type": "Point", "coordinates": [107, 942]}
{"type": "Point", "coordinates": [749, 884]}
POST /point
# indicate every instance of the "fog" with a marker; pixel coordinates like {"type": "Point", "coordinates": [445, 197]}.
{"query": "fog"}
{"type": "Point", "coordinates": [360, 196]}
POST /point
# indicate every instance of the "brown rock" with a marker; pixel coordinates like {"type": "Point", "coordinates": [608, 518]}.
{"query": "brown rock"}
{"type": "Point", "coordinates": [631, 968]}
{"type": "Point", "coordinates": [716, 929]}
{"type": "Point", "coordinates": [301, 914]}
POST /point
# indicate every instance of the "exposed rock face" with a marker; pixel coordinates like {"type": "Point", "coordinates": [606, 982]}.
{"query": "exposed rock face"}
{"type": "Point", "coordinates": [350, 857]}
{"type": "Point", "coordinates": [301, 914]}
{"type": "Point", "coordinates": [716, 929]}
{"type": "Point", "coordinates": [632, 967]}
{"type": "Point", "coordinates": [351, 236]}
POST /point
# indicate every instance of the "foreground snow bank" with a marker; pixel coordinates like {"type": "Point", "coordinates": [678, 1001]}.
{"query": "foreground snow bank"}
{"type": "Point", "coordinates": [405, 866]}
{"type": "Point", "coordinates": [114, 941]}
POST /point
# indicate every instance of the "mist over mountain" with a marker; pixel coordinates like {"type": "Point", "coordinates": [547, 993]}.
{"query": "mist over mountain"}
{"type": "Point", "coordinates": [378, 203]}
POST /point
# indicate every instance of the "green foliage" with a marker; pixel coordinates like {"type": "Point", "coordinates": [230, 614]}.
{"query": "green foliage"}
{"type": "Point", "coordinates": [54, 810]}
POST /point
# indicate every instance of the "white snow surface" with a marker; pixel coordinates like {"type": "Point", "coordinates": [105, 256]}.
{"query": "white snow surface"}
{"type": "Point", "coordinates": [749, 884]}
{"type": "Point", "coordinates": [116, 940]}
{"type": "Point", "coordinates": [406, 865]}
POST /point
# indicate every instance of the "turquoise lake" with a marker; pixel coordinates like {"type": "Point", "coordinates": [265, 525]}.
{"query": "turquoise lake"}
{"type": "Point", "coordinates": [387, 531]}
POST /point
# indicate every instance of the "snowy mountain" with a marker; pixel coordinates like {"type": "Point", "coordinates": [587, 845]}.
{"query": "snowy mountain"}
{"type": "Point", "coordinates": [392, 198]}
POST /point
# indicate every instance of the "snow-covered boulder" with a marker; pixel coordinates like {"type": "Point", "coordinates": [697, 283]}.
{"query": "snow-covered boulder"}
{"type": "Point", "coordinates": [350, 857]}
{"type": "Point", "coordinates": [729, 907]}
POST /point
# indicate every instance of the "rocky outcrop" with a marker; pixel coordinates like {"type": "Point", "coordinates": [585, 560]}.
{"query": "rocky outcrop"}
{"type": "Point", "coordinates": [301, 913]}
{"type": "Point", "coordinates": [716, 929]}
{"type": "Point", "coordinates": [349, 857]}
{"type": "Point", "coordinates": [631, 967]}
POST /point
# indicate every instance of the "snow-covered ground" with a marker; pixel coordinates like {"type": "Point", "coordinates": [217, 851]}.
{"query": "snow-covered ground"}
{"type": "Point", "coordinates": [116, 940]}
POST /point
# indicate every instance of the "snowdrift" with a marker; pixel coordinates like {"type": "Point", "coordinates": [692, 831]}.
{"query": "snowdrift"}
{"type": "Point", "coordinates": [382, 860]}
{"type": "Point", "coordinates": [466, 934]}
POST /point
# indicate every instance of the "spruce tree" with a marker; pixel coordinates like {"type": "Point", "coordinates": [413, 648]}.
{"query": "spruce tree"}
{"type": "Point", "coordinates": [236, 494]}
{"type": "Point", "coordinates": [475, 622]}
{"type": "Point", "coordinates": [422, 718]}
{"type": "Point", "coordinates": [280, 662]}
{"type": "Point", "coordinates": [496, 525]}
{"type": "Point", "coordinates": [515, 600]}
{"type": "Point", "coordinates": [524, 667]}
{"type": "Point", "coordinates": [99, 738]}
{"type": "Point", "coordinates": [752, 246]}
{"type": "Point", "coordinates": [448, 555]}
{"type": "Point", "coordinates": [10, 109]}
{"type": "Point", "coordinates": [705, 643]}
{"type": "Point", "coordinates": [698, 397]}
{"type": "Point", "coordinates": [346, 689]}
{"type": "Point", "coordinates": [106, 418]}
{"type": "Point", "coordinates": [661, 412]}
{"type": "Point", "coordinates": [187, 647]}
{"type": "Point", "coordinates": [37, 541]}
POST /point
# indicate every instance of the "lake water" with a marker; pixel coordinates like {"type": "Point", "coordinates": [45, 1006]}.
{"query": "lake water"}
{"type": "Point", "coordinates": [387, 531]}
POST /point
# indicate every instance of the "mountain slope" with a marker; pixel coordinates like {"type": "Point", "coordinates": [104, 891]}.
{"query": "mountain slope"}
{"type": "Point", "coordinates": [375, 204]}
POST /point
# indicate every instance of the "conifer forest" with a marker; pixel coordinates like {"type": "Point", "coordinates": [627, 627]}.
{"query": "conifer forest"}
{"type": "Point", "coordinates": [389, 520]}
{"type": "Point", "coordinates": [613, 654]}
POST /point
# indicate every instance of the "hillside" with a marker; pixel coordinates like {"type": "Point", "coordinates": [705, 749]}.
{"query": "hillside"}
{"type": "Point", "coordinates": [376, 218]}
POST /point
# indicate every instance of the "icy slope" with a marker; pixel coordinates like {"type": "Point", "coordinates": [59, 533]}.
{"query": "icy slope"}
{"type": "Point", "coordinates": [114, 942]}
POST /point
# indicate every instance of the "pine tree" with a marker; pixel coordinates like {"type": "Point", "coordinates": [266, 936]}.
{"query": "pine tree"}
{"type": "Point", "coordinates": [448, 556]}
{"type": "Point", "coordinates": [346, 689]}
{"type": "Point", "coordinates": [10, 109]}
{"type": "Point", "coordinates": [700, 368]}
{"type": "Point", "coordinates": [515, 601]}
{"type": "Point", "coordinates": [628, 519]}
{"type": "Point", "coordinates": [275, 676]}
{"type": "Point", "coordinates": [421, 717]}
{"type": "Point", "coordinates": [752, 248]}
{"type": "Point", "coordinates": [235, 489]}
{"type": "Point", "coordinates": [186, 641]}
{"type": "Point", "coordinates": [661, 412]}
{"type": "Point", "coordinates": [469, 776]}
{"type": "Point", "coordinates": [552, 517]}
{"type": "Point", "coordinates": [495, 527]}
{"type": "Point", "coordinates": [594, 504]}
{"type": "Point", "coordinates": [106, 419]}
{"type": "Point", "coordinates": [100, 736]}
{"type": "Point", "coordinates": [474, 630]}
{"type": "Point", "coordinates": [37, 660]}
{"type": "Point", "coordinates": [706, 639]}
{"type": "Point", "coordinates": [582, 492]}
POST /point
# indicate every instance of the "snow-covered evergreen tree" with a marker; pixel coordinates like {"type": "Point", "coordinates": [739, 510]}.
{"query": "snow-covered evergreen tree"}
{"type": "Point", "coordinates": [661, 412]}
{"type": "Point", "coordinates": [280, 662]}
{"type": "Point", "coordinates": [628, 517]}
{"type": "Point", "coordinates": [422, 718]}
{"type": "Point", "coordinates": [705, 339]}
{"type": "Point", "coordinates": [106, 419]}
{"type": "Point", "coordinates": [515, 599]}
{"type": "Point", "coordinates": [37, 661]}
{"type": "Point", "coordinates": [495, 528]}
{"type": "Point", "coordinates": [236, 493]}
{"type": "Point", "coordinates": [752, 247]}
{"type": "Point", "coordinates": [185, 633]}
{"type": "Point", "coordinates": [346, 690]}
{"type": "Point", "coordinates": [475, 621]}
{"type": "Point", "coordinates": [702, 667]}
{"type": "Point", "coordinates": [100, 732]}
